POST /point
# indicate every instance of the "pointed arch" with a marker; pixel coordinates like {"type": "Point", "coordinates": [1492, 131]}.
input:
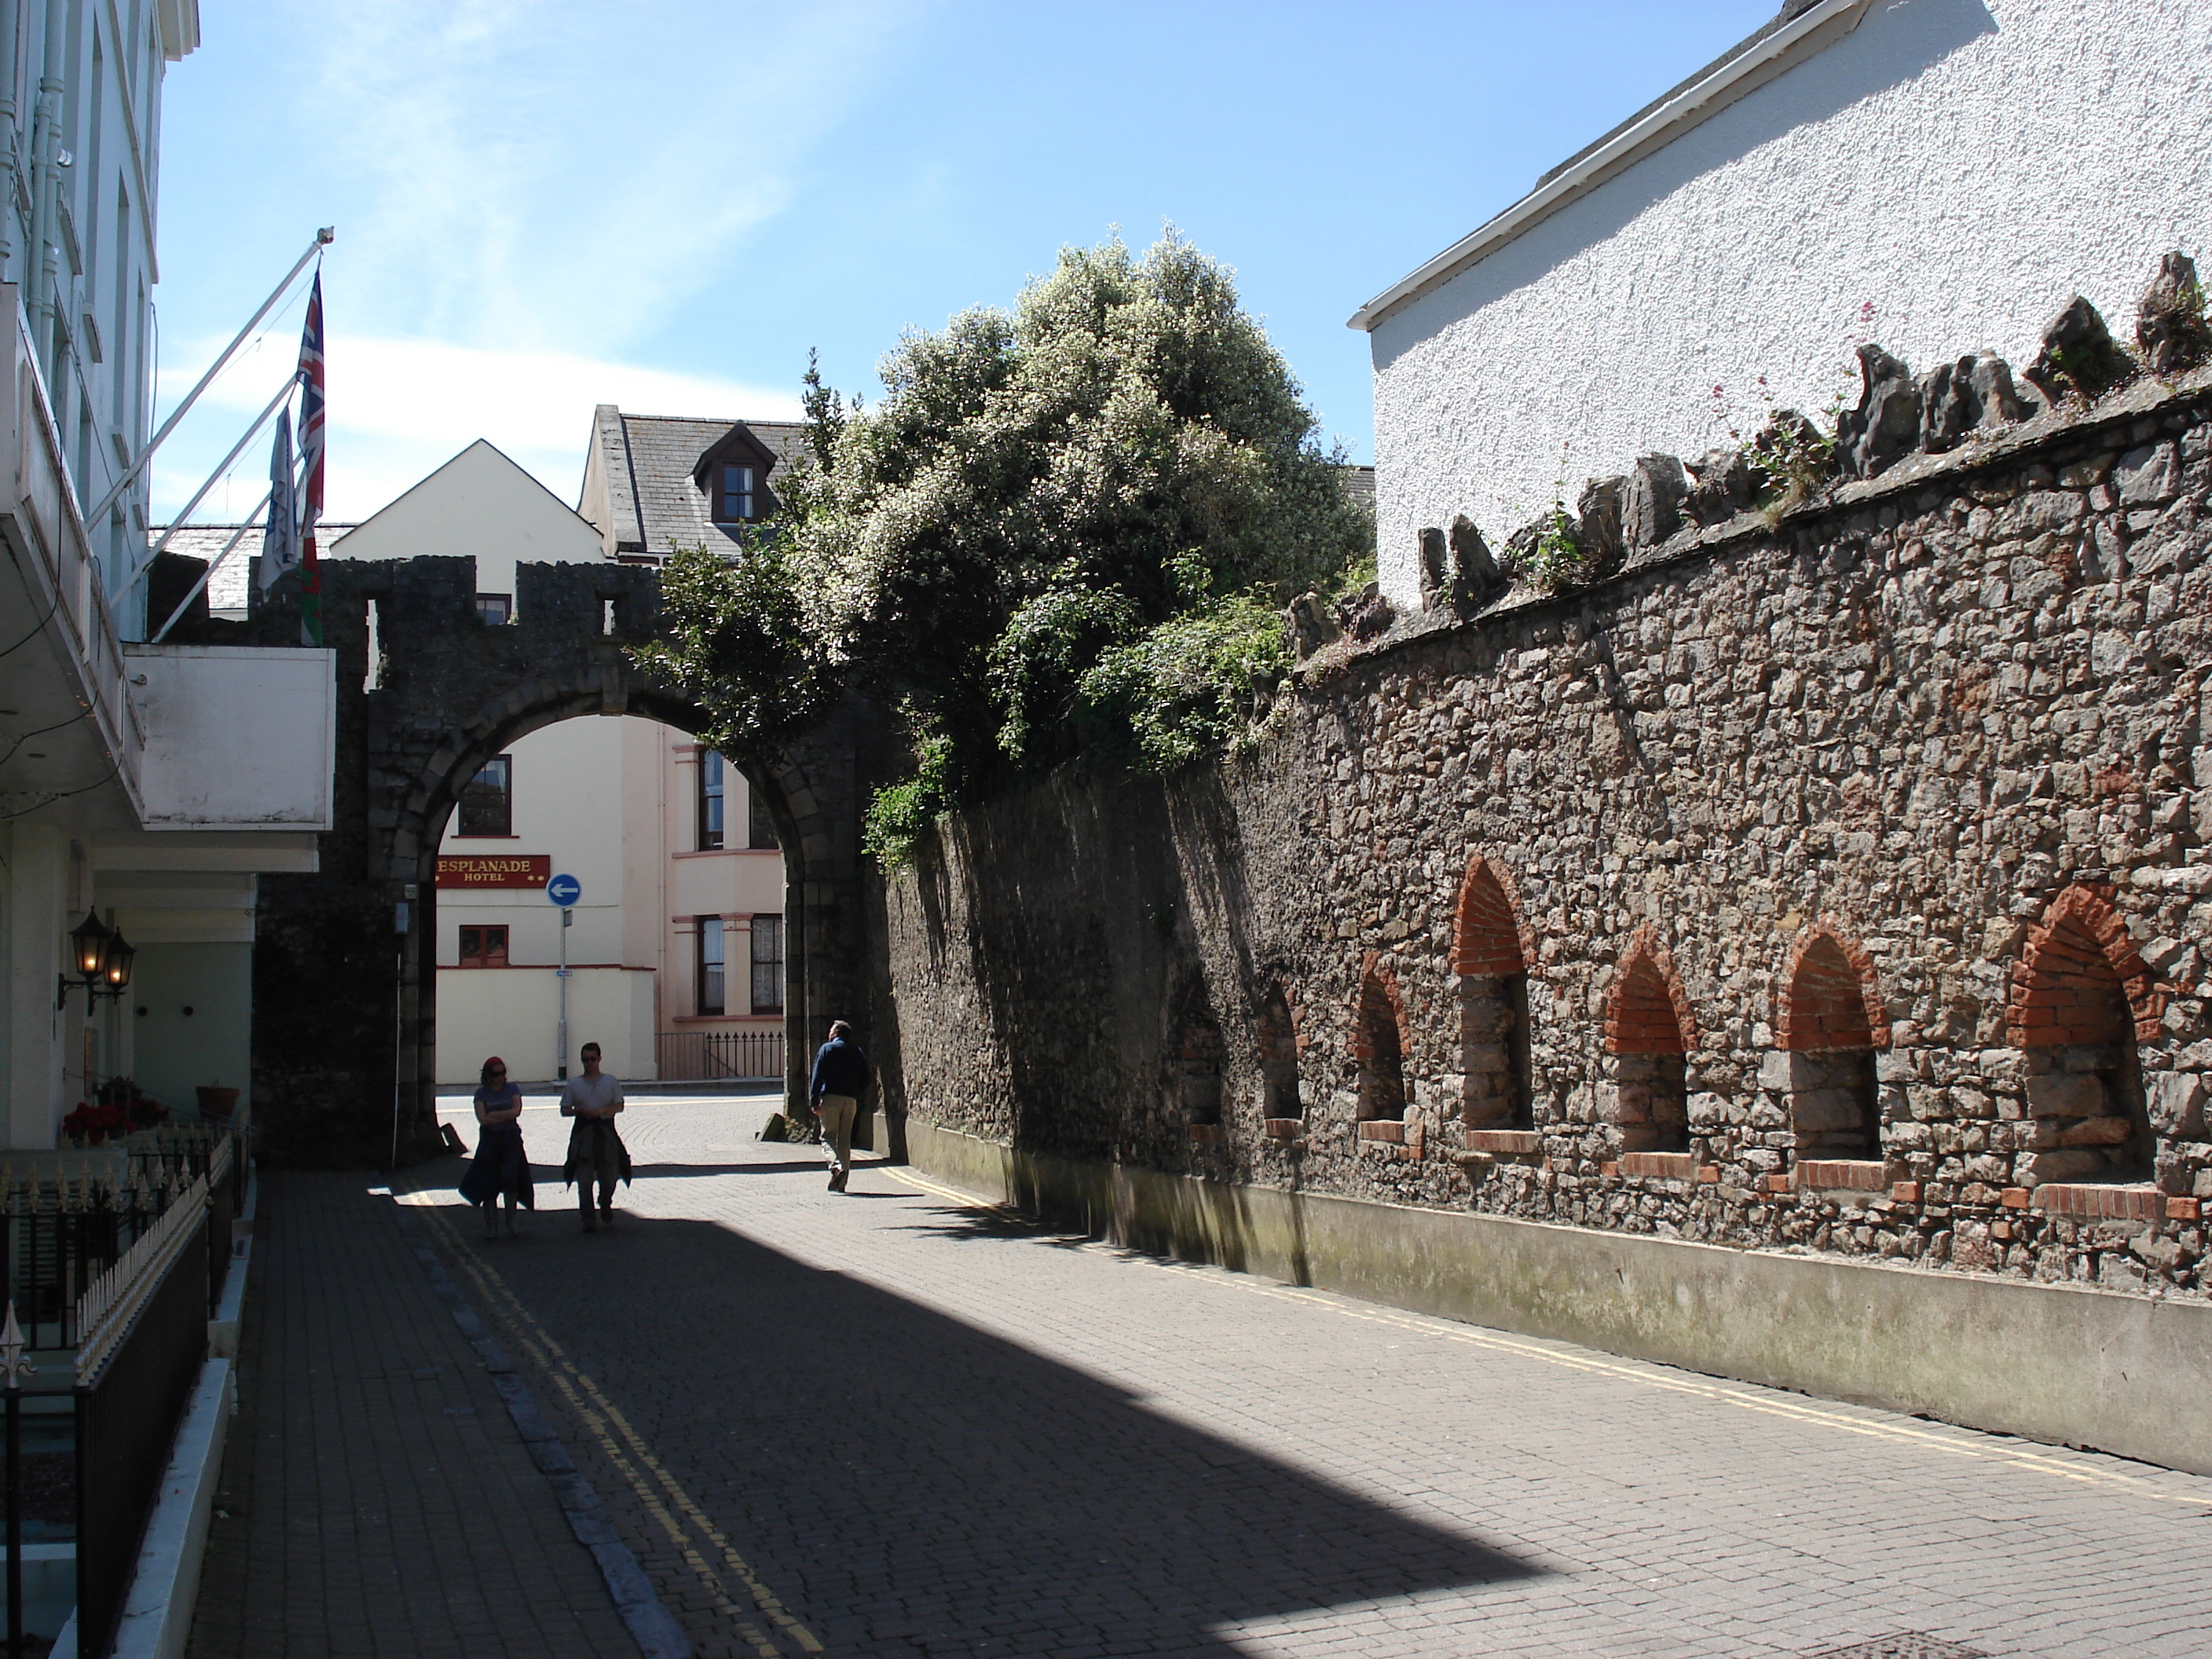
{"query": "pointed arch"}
{"type": "Point", "coordinates": [1196, 1056]}
{"type": "Point", "coordinates": [1283, 1099]}
{"type": "Point", "coordinates": [2080, 980]}
{"type": "Point", "coordinates": [1648, 1011]}
{"type": "Point", "coordinates": [1381, 1035]}
{"type": "Point", "coordinates": [1649, 1034]}
{"type": "Point", "coordinates": [1491, 951]}
{"type": "Point", "coordinates": [1829, 1019]}
{"type": "Point", "coordinates": [1488, 935]}
{"type": "Point", "coordinates": [1828, 997]}
{"type": "Point", "coordinates": [2081, 999]}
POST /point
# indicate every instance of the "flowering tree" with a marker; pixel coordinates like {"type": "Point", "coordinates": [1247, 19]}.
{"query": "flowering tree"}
{"type": "Point", "coordinates": [1067, 527]}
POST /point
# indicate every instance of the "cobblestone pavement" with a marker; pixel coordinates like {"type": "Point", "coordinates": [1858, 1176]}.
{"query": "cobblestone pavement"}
{"type": "Point", "coordinates": [375, 1498]}
{"type": "Point", "coordinates": [897, 1423]}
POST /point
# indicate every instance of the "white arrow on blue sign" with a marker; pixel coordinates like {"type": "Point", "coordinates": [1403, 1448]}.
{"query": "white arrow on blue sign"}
{"type": "Point", "coordinates": [564, 890]}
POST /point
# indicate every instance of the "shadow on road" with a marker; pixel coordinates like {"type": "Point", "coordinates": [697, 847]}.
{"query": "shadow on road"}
{"type": "Point", "coordinates": [912, 1485]}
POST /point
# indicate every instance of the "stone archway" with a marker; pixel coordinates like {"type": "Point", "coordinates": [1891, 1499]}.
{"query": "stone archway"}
{"type": "Point", "coordinates": [344, 998]}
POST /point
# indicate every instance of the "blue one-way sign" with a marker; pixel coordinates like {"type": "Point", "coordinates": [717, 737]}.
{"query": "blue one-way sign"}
{"type": "Point", "coordinates": [564, 890]}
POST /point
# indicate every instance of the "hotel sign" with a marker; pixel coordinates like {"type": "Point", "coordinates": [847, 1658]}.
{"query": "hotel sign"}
{"type": "Point", "coordinates": [495, 869]}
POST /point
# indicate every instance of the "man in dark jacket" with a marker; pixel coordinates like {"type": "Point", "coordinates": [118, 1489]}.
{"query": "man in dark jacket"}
{"type": "Point", "coordinates": [840, 1078]}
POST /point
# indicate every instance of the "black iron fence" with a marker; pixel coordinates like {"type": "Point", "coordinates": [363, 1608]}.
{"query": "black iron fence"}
{"type": "Point", "coordinates": [57, 1236]}
{"type": "Point", "coordinates": [718, 1056]}
{"type": "Point", "coordinates": [126, 1274]}
{"type": "Point", "coordinates": [145, 1336]}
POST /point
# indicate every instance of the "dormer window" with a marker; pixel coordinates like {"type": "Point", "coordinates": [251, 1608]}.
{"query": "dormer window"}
{"type": "Point", "coordinates": [734, 499]}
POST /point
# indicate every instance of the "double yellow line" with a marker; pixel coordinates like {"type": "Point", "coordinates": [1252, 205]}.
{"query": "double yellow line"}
{"type": "Point", "coordinates": [662, 1496]}
{"type": "Point", "coordinates": [2009, 1455]}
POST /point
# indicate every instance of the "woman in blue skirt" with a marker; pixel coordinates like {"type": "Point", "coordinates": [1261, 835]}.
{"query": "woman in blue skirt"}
{"type": "Point", "coordinates": [502, 1167]}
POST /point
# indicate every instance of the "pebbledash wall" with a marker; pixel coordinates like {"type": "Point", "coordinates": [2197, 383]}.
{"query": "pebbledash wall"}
{"type": "Point", "coordinates": [1913, 171]}
{"type": "Point", "coordinates": [1787, 954]}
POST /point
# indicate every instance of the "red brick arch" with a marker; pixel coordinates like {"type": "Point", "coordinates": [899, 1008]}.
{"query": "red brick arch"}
{"type": "Point", "coordinates": [1648, 1011]}
{"type": "Point", "coordinates": [2078, 971]}
{"type": "Point", "coordinates": [1378, 998]}
{"type": "Point", "coordinates": [1829, 998]}
{"type": "Point", "coordinates": [1488, 935]}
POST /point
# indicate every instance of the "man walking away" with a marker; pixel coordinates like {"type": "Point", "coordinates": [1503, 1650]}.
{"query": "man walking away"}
{"type": "Point", "coordinates": [840, 1078]}
{"type": "Point", "coordinates": [595, 1151]}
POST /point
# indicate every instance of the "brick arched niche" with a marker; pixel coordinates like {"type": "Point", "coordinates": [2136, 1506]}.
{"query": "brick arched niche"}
{"type": "Point", "coordinates": [2081, 999]}
{"type": "Point", "coordinates": [1649, 1035]}
{"type": "Point", "coordinates": [1380, 1039]}
{"type": "Point", "coordinates": [1492, 949]}
{"type": "Point", "coordinates": [1195, 1050]}
{"type": "Point", "coordinates": [1283, 1105]}
{"type": "Point", "coordinates": [1828, 1023]}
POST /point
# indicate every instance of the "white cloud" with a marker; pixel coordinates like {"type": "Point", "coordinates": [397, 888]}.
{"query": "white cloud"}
{"type": "Point", "coordinates": [399, 409]}
{"type": "Point", "coordinates": [526, 196]}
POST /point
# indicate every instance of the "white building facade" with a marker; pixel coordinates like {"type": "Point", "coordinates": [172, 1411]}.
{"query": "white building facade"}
{"type": "Point", "coordinates": [131, 813]}
{"type": "Point", "coordinates": [675, 955]}
{"type": "Point", "coordinates": [1937, 176]}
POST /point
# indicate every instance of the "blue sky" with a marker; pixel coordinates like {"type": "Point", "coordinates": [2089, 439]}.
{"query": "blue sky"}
{"type": "Point", "coordinates": [663, 204]}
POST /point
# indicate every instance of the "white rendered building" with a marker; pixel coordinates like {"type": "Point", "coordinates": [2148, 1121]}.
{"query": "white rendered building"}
{"type": "Point", "coordinates": [675, 959]}
{"type": "Point", "coordinates": [125, 794]}
{"type": "Point", "coordinates": [1936, 175]}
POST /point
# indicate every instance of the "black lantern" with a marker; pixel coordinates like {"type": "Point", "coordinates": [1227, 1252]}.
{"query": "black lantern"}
{"type": "Point", "coordinates": [115, 966]}
{"type": "Point", "coordinates": [101, 957]}
{"type": "Point", "coordinates": [89, 942]}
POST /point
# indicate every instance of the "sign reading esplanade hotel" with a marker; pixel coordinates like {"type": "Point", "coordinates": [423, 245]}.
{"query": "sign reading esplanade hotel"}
{"type": "Point", "coordinates": [495, 869]}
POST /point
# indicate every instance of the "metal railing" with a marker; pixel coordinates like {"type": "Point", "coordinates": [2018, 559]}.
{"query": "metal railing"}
{"type": "Point", "coordinates": [128, 1275]}
{"type": "Point", "coordinates": [59, 1236]}
{"type": "Point", "coordinates": [718, 1056]}
{"type": "Point", "coordinates": [145, 1325]}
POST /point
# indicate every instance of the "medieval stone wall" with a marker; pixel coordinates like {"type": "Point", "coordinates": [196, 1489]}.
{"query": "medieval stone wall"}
{"type": "Point", "coordinates": [1835, 883]}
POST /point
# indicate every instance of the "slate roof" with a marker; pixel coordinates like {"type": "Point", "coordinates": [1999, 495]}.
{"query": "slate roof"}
{"type": "Point", "coordinates": [227, 587]}
{"type": "Point", "coordinates": [1359, 484]}
{"type": "Point", "coordinates": [648, 460]}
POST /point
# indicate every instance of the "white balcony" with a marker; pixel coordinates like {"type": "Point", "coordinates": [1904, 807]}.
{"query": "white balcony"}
{"type": "Point", "coordinates": [95, 734]}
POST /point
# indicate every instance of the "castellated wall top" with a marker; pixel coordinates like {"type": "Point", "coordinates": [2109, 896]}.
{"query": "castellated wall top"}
{"type": "Point", "coordinates": [1888, 818]}
{"type": "Point", "coordinates": [1941, 179]}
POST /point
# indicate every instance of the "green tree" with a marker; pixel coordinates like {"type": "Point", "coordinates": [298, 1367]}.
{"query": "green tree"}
{"type": "Point", "coordinates": [1065, 526]}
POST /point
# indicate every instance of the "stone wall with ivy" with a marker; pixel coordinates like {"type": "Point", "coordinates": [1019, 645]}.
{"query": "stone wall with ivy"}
{"type": "Point", "coordinates": [1826, 870]}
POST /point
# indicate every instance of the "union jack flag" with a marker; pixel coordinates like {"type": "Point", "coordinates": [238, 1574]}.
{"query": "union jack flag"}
{"type": "Point", "coordinates": [311, 465]}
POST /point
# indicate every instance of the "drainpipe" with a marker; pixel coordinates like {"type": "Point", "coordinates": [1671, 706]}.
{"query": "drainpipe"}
{"type": "Point", "coordinates": [42, 259]}
{"type": "Point", "coordinates": [11, 159]}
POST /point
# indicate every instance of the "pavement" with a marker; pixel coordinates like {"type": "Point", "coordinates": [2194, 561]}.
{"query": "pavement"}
{"type": "Point", "coordinates": [898, 1422]}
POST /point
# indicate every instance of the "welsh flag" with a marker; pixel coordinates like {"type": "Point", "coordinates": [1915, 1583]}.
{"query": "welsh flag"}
{"type": "Point", "coordinates": [311, 466]}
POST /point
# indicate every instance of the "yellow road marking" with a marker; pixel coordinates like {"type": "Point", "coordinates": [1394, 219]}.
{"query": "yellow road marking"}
{"type": "Point", "coordinates": [1793, 1409]}
{"type": "Point", "coordinates": [597, 1412]}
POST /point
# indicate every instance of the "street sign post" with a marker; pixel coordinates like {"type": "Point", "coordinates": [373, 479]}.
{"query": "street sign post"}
{"type": "Point", "coordinates": [563, 890]}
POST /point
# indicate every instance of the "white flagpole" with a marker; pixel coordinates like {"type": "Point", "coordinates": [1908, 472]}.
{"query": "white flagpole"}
{"type": "Point", "coordinates": [207, 574]}
{"type": "Point", "coordinates": [323, 239]}
{"type": "Point", "coordinates": [213, 478]}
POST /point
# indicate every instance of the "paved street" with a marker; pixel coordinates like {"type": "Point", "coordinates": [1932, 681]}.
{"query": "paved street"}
{"type": "Point", "coordinates": [895, 1423]}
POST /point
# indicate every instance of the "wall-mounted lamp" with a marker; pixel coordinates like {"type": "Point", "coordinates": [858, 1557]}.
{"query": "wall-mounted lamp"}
{"type": "Point", "coordinates": [102, 959]}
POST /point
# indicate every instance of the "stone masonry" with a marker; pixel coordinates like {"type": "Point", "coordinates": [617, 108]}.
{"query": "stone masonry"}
{"type": "Point", "coordinates": [1828, 879]}
{"type": "Point", "coordinates": [344, 1003]}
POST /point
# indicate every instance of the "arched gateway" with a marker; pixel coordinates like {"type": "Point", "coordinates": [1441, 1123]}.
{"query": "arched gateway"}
{"type": "Point", "coordinates": [345, 967]}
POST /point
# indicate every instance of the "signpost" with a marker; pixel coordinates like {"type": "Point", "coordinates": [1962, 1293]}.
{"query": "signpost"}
{"type": "Point", "coordinates": [563, 890]}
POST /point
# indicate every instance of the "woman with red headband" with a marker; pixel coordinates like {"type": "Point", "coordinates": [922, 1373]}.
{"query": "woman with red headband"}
{"type": "Point", "coordinates": [502, 1167]}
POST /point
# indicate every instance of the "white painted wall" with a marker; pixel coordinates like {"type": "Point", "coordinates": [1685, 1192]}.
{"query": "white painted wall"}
{"type": "Point", "coordinates": [480, 506]}
{"type": "Point", "coordinates": [175, 1052]}
{"type": "Point", "coordinates": [1963, 165]}
{"type": "Point", "coordinates": [510, 1012]}
{"type": "Point", "coordinates": [196, 702]}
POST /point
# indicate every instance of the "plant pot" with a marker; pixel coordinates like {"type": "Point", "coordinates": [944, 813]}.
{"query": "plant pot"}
{"type": "Point", "coordinates": [217, 1103]}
